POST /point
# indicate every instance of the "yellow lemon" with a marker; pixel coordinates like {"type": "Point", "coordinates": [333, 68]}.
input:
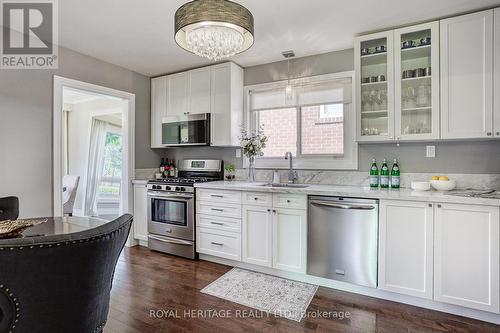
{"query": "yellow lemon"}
{"type": "Point", "coordinates": [435, 177]}
{"type": "Point", "coordinates": [444, 178]}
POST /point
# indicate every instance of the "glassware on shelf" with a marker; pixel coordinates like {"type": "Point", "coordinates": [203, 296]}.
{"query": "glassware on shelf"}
{"type": "Point", "coordinates": [365, 100]}
{"type": "Point", "coordinates": [423, 96]}
{"type": "Point", "coordinates": [409, 97]}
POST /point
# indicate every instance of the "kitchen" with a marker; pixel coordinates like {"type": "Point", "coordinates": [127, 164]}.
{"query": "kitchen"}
{"type": "Point", "coordinates": [342, 229]}
{"type": "Point", "coordinates": [340, 174]}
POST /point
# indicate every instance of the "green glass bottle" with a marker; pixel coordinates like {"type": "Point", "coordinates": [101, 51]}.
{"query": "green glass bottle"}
{"type": "Point", "coordinates": [395, 174]}
{"type": "Point", "coordinates": [374, 174]}
{"type": "Point", "coordinates": [384, 175]}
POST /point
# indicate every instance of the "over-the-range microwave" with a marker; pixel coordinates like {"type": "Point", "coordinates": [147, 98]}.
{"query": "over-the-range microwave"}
{"type": "Point", "coordinates": [186, 130]}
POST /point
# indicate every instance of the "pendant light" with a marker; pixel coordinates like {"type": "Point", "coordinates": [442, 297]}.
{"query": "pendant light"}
{"type": "Point", "coordinates": [288, 89]}
{"type": "Point", "coordinates": [214, 29]}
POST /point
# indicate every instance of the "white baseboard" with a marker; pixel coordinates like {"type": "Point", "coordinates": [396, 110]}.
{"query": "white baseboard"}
{"type": "Point", "coordinates": [372, 292]}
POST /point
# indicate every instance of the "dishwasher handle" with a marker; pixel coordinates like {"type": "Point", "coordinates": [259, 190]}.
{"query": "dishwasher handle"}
{"type": "Point", "coordinates": [342, 206]}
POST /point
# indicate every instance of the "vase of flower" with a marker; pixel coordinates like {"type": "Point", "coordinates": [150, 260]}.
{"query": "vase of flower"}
{"type": "Point", "coordinates": [252, 144]}
{"type": "Point", "coordinates": [251, 169]}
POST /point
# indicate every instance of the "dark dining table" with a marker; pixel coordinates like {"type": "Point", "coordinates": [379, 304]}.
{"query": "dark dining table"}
{"type": "Point", "coordinates": [62, 225]}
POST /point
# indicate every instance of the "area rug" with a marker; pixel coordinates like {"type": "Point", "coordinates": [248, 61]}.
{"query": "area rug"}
{"type": "Point", "coordinates": [267, 293]}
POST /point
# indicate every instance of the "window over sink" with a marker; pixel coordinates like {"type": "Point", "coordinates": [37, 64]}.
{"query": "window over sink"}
{"type": "Point", "coordinates": [316, 123]}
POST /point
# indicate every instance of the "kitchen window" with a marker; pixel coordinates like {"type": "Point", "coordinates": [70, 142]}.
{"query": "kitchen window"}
{"type": "Point", "coordinates": [316, 123]}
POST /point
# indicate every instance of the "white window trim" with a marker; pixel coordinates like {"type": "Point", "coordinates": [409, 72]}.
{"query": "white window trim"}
{"type": "Point", "coordinates": [349, 161]}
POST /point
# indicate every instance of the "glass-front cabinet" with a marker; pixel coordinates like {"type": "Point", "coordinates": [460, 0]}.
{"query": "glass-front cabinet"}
{"type": "Point", "coordinates": [375, 76]}
{"type": "Point", "coordinates": [416, 89]}
{"type": "Point", "coordinates": [398, 84]}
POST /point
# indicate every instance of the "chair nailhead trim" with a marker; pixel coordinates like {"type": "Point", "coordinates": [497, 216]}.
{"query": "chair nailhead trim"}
{"type": "Point", "coordinates": [17, 307]}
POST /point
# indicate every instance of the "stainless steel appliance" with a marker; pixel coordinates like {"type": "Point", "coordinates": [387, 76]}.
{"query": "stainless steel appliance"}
{"type": "Point", "coordinates": [171, 207]}
{"type": "Point", "coordinates": [343, 239]}
{"type": "Point", "coordinates": [186, 130]}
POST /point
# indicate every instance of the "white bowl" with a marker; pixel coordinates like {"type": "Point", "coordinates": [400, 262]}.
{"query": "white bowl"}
{"type": "Point", "coordinates": [420, 186]}
{"type": "Point", "coordinates": [443, 185]}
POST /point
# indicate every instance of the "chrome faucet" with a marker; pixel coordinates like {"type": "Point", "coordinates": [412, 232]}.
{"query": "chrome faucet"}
{"type": "Point", "coordinates": [292, 174]}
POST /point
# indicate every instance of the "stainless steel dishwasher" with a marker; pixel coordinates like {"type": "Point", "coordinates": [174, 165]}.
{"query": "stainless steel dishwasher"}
{"type": "Point", "coordinates": [343, 239]}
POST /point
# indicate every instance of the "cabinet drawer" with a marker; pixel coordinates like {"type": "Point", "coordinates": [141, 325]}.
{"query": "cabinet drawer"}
{"type": "Point", "coordinates": [218, 196]}
{"type": "Point", "coordinates": [257, 198]}
{"type": "Point", "coordinates": [297, 201]}
{"type": "Point", "coordinates": [218, 243]}
{"type": "Point", "coordinates": [218, 223]}
{"type": "Point", "coordinates": [216, 209]}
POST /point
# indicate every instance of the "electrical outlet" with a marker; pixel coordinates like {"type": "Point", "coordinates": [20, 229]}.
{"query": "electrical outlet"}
{"type": "Point", "coordinates": [238, 153]}
{"type": "Point", "coordinates": [430, 151]}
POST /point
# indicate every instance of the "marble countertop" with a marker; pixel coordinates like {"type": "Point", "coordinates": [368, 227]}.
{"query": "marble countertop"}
{"type": "Point", "coordinates": [140, 181]}
{"type": "Point", "coordinates": [352, 191]}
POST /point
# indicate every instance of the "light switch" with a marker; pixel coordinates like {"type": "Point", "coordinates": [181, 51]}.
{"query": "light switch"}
{"type": "Point", "coordinates": [430, 151]}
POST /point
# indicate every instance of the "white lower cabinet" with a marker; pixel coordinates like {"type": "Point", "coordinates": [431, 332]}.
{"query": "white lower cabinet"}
{"type": "Point", "coordinates": [466, 258]}
{"type": "Point", "coordinates": [257, 231]}
{"type": "Point", "coordinates": [290, 239]}
{"type": "Point", "coordinates": [140, 212]}
{"type": "Point", "coordinates": [406, 247]}
{"type": "Point", "coordinates": [218, 243]}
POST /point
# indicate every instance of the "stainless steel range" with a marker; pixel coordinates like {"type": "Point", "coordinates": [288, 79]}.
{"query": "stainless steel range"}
{"type": "Point", "coordinates": [171, 207]}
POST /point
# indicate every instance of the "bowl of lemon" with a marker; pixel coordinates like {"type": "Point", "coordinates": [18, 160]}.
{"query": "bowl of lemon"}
{"type": "Point", "coordinates": [442, 183]}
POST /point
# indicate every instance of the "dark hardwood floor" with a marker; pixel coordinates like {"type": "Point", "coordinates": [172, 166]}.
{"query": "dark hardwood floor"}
{"type": "Point", "coordinates": [147, 280]}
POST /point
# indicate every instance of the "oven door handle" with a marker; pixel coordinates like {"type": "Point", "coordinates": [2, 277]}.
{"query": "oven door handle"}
{"type": "Point", "coordinates": [168, 197]}
{"type": "Point", "coordinates": [170, 240]}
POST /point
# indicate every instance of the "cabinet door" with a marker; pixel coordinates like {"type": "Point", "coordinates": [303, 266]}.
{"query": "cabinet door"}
{"type": "Point", "coordinates": [199, 90]}
{"type": "Point", "coordinates": [290, 239]}
{"type": "Point", "coordinates": [467, 76]}
{"type": "Point", "coordinates": [417, 96]}
{"type": "Point", "coordinates": [375, 109]}
{"type": "Point", "coordinates": [496, 64]}
{"type": "Point", "coordinates": [140, 212]}
{"type": "Point", "coordinates": [466, 256]}
{"type": "Point", "coordinates": [158, 109]}
{"type": "Point", "coordinates": [177, 94]}
{"type": "Point", "coordinates": [221, 105]}
{"type": "Point", "coordinates": [257, 231]}
{"type": "Point", "coordinates": [406, 247]}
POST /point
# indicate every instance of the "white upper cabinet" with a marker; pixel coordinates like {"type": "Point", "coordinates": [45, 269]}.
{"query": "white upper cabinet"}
{"type": "Point", "coordinates": [406, 247]}
{"type": "Point", "coordinates": [200, 90]}
{"type": "Point", "coordinates": [226, 104]}
{"type": "Point", "coordinates": [374, 65]}
{"type": "Point", "coordinates": [467, 76]}
{"type": "Point", "coordinates": [177, 94]}
{"type": "Point", "coordinates": [158, 109]}
{"type": "Point", "coordinates": [216, 90]}
{"type": "Point", "coordinates": [416, 88]}
{"type": "Point", "coordinates": [466, 256]}
{"type": "Point", "coordinates": [496, 101]}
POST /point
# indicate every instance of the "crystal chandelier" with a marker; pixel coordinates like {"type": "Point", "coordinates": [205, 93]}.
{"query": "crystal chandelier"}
{"type": "Point", "coordinates": [214, 29]}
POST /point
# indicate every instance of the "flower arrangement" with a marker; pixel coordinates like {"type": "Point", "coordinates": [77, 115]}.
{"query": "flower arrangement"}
{"type": "Point", "coordinates": [253, 143]}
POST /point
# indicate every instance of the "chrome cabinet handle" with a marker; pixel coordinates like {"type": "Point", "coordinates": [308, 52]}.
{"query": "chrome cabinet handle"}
{"type": "Point", "coordinates": [288, 201]}
{"type": "Point", "coordinates": [218, 244]}
{"type": "Point", "coordinates": [217, 223]}
{"type": "Point", "coordinates": [343, 206]}
{"type": "Point", "coordinates": [269, 210]}
{"type": "Point", "coordinates": [256, 198]}
{"type": "Point", "coordinates": [439, 206]}
{"type": "Point", "coordinates": [274, 211]}
{"type": "Point", "coordinates": [217, 209]}
{"type": "Point", "coordinates": [430, 205]}
{"type": "Point", "coordinates": [169, 231]}
{"type": "Point", "coordinates": [489, 133]}
{"type": "Point", "coordinates": [216, 196]}
{"type": "Point", "coordinates": [498, 133]}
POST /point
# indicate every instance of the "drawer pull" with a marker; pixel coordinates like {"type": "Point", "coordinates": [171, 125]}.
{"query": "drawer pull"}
{"type": "Point", "coordinates": [218, 244]}
{"type": "Point", "coordinates": [288, 200]}
{"type": "Point", "coordinates": [256, 198]}
{"type": "Point", "coordinates": [168, 230]}
{"type": "Point", "coordinates": [217, 196]}
{"type": "Point", "coordinates": [217, 209]}
{"type": "Point", "coordinates": [217, 223]}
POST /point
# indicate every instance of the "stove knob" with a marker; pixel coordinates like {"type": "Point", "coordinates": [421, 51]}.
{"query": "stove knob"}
{"type": "Point", "coordinates": [167, 188]}
{"type": "Point", "coordinates": [155, 187]}
{"type": "Point", "coordinates": [183, 189]}
{"type": "Point", "coordinates": [177, 188]}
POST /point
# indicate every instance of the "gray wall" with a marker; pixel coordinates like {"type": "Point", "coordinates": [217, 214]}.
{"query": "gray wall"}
{"type": "Point", "coordinates": [451, 157]}
{"type": "Point", "coordinates": [26, 124]}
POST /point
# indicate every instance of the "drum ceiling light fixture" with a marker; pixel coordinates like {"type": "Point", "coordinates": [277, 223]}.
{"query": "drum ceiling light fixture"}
{"type": "Point", "coordinates": [214, 29]}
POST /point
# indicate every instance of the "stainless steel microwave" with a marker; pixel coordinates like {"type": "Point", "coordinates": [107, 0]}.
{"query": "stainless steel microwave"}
{"type": "Point", "coordinates": [187, 130]}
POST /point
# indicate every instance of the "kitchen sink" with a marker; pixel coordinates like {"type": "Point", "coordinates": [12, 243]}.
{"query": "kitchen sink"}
{"type": "Point", "coordinates": [285, 185]}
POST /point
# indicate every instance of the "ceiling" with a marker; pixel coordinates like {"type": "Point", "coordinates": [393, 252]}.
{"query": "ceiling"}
{"type": "Point", "coordinates": [139, 35]}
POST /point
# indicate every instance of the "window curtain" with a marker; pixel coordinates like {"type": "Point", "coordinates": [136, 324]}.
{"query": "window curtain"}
{"type": "Point", "coordinates": [303, 94]}
{"type": "Point", "coordinates": [95, 165]}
